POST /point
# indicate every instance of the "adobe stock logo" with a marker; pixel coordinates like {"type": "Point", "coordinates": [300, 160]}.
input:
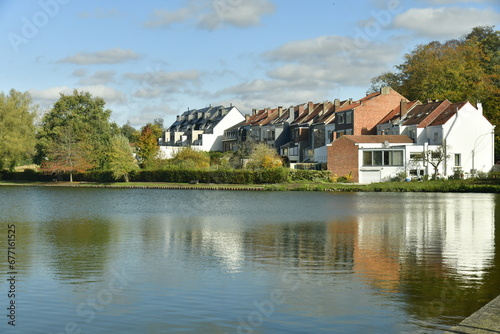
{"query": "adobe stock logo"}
{"type": "Point", "coordinates": [32, 25]}
{"type": "Point", "coordinates": [364, 36]}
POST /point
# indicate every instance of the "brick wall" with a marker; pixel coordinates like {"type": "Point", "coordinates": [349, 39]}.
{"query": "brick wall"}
{"type": "Point", "coordinates": [343, 158]}
{"type": "Point", "coordinates": [367, 116]}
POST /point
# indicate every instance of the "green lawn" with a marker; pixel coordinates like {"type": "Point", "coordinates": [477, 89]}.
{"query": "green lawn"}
{"type": "Point", "coordinates": [479, 186]}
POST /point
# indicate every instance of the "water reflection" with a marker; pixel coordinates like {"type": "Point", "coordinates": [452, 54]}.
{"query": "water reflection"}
{"type": "Point", "coordinates": [419, 262]}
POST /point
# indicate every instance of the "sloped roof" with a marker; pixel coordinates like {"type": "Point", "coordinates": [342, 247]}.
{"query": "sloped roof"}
{"type": "Point", "coordinates": [445, 116]}
{"type": "Point", "coordinates": [329, 116]}
{"type": "Point", "coordinates": [199, 119]}
{"type": "Point", "coordinates": [424, 114]}
{"type": "Point", "coordinates": [304, 114]}
{"type": "Point", "coordinates": [395, 114]}
{"type": "Point", "coordinates": [377, 139]}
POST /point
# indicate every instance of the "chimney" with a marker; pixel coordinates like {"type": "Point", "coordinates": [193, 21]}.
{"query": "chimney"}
{"type": "Point", "coordinates": [280, 111]}
{"type": "Point", "coordinates": [337, 103]}
{"type": "Point", "coordinates": [247, 117]}
{"type": "Point", "coordinates": [479, 107]}
{"type": "Point", "coordinates": [254, 112]}
{"type": "Point", "coordinates": [403, 106]}
{"type": "Point", "coordinates": [310, 107]}
{"type": "Point", "coordinates": [385, 90]}
{"type": "Point", "coordinates": [178, 118]}
{"type": "Point", "coordinates": [299, 111]}
{"type": "Point", "coordinates": [325, 108]}
{"type": "Point", "coordinates": [350, 100]}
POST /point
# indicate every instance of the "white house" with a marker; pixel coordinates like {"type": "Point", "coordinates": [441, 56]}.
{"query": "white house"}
{"type": "Point", "coordinates": [460, 130]}
{"type": "Point", "coordinates": [200, 129]}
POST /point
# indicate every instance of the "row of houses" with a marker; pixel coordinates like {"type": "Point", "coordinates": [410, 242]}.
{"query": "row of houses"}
{"type": "Point", "coordinates": [371, 139]}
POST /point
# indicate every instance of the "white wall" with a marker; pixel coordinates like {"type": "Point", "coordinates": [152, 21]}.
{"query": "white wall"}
{"type": "Point", "coordinates": [213, 141]}
{"type": "Point", "coordinates": [471, 135]}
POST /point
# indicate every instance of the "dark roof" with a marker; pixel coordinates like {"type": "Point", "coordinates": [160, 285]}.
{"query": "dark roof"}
{"type": "Point", "coordinates": [236, 126]}
{"type": "Point", "coordinates": [395, 114]}
{"type": "Point", "coordinates": [424, 114]}
{"type": "Point", "coordinates": [377, 139]}
{"type": "Point", "coordinates": [199, 119]}
{"type": "Point", "coordinates": [448, 113]}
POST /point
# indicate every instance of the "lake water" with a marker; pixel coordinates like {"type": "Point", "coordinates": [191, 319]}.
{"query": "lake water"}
{"type": "Point", "coordinates": [192, 261]}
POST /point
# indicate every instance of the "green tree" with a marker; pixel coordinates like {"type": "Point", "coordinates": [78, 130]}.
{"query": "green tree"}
{"type": "Point", "coordinates": [121, 159]}
{"type": "Point", "coordinates": [86, 119]}
{"type": "Point", "coordinates": [147, 146]}
{"type": "Point", "coordinates": [130, 132]}
{"type": "Point", "coordinates": [189, 158]}
{"type": "Point", "coordinates": [263, 156]}
{"type": "Point", "coordinates": [17, 130]}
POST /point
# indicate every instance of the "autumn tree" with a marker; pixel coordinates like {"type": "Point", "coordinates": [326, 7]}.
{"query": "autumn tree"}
{"type": "Point", "coordinates": [263, 156]}
{"type": "Point", "coordinates": [86, 118]}
{"type": "Point", "coordinates": [189, 158]}
{"type": "Point", "coordinates": [17, 130]}
{"type": "Point", "coordinates": [121, 159]}
{"type": "Point", "coordinates": [67, 154]}
{"type": "Point", "coordinates": [466, 69]}
{"type": "Point", "coordinates": [147, 146]}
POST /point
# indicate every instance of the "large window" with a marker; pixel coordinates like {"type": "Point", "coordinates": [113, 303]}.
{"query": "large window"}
{"type": "Point", "coordinates": [341, 118]}
{"type": "Point", "coordinates": [458, 162]}
{"type": "Point", "coordinates": [348, 117]}
{"type": "Point", "coordinates": [382, 158]}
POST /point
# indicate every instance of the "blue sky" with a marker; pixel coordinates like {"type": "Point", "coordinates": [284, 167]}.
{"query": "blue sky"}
{"type": "Point", "coordinates": [154, 59]}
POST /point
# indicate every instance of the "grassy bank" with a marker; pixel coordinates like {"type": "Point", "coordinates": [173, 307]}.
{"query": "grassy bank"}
{"type": "Point", "coordinates": [457, 186]}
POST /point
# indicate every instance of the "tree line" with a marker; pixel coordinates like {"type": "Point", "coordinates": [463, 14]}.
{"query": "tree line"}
{"type": "Point", "coordinates": [76, 134]}
{"type": "Point", "coordinates": [464, 69]}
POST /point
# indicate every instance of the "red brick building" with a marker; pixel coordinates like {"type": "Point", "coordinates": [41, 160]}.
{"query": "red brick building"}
{"type": "Point", "coordinates": [343, 153]}
{"type": "Point", "coordinates": [361, 117]}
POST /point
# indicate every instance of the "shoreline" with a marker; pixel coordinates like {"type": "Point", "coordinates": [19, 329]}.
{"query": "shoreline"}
{"type": "Point", "coordinates": [461, 186]}
{"type": "Point", "coordinates": [485, 320]}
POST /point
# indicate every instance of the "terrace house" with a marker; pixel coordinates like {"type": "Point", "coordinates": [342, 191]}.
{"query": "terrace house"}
{"type": "Point", "coordinates": [299, 148]}
{"type": "Point", "coordinates": [201, 129]}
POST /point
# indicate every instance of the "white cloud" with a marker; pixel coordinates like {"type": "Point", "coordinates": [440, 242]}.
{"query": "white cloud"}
{"type": "Point", "coordinates": [98, 78]}
{"type": "Point", "coordinates": [237, 13]}
{"type": "Point", "coordinates": [445, 22]}
{"type": "Point", "coordinates": [162, 18]}
{"type": "Point", "coordinates": [313, 69]}
{"type": "Point", "coordinates": [158, 83]}
{"type": "Point", "coordinates": [213, 14]}
{"type": "Point", "coordinates": [49, 96]}
{"type": "Point", "coordinates": [110, 56]}
{"type": "Point", "coordinates": [79, 73]}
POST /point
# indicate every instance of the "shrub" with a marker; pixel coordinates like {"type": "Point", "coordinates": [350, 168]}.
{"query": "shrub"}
{"type": "Point", "coordinates": [309, 175]}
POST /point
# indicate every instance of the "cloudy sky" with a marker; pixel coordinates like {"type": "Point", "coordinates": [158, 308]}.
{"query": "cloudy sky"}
{"type": "Point", "coordinates": [154, 59]}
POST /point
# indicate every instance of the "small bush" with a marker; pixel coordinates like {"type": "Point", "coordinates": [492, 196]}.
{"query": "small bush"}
{"type": "Point", "coordinates": [309, 175]}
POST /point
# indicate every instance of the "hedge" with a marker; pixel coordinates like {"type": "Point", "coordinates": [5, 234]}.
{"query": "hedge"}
{"type": "Point", "coordinates": [309, 175]}
{"type": "Point", "coordinates": [175, 175]}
